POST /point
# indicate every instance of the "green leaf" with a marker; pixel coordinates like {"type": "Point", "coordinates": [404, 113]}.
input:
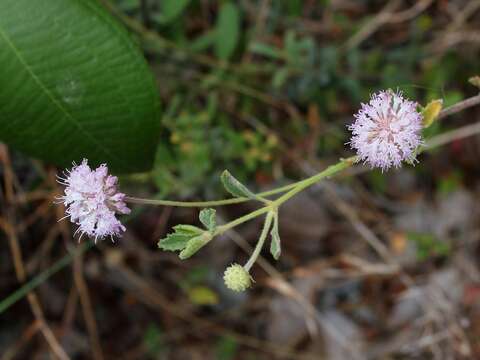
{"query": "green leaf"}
{"type": "Point", "coordinates": [187, 238]}
{"type": "Point", "coordinates": [207, 218]}
{"type": "Point", "coordinates": [188, 230]}
{"type": "Point", "coordinates": [174, 242]}
{"type": "Point", "coordinates": [74, 85]}
{"type": "Point", "coordinates": [235, 187]}
{"type": "Point", "coordinates": [227, 30]}
{"type": "Point", "coordinates": [171, 9]}
{"type": "Point", "coordinates": [179, 239]}
{"type": "Point", "coordinates": [275, 248]}
{"type": "Point", "coordinates": [194, 245]}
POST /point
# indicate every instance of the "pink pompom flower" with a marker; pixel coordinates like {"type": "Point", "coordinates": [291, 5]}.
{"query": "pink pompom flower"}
{"type": "Point", "coordinates": [387, 130]}
{"type": "Point", "coordinates": [92, 201]}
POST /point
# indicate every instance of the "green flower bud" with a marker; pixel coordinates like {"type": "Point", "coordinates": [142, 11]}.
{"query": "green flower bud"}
{"type": "Point", "coordinates": [237, 278]}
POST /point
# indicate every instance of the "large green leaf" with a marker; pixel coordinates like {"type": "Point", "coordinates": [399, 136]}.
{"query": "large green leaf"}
{"type": "Point", "coordinates": [74, 85]}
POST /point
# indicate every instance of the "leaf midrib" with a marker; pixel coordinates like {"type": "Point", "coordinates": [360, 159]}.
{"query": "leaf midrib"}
{"type": "Point", "coordinates": [52, 98]}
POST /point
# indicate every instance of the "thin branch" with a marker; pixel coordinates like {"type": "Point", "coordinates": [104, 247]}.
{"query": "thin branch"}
{"type": "Point", "coordinates": [87, 307]}
{"type": "Point", "coordinates": [385, 16]}
{"type": "Point", "coordinates": [462, 105]}
{"type": "Point", "coordinates": [373, 25]}
{"type": "Point", "coordinates": [414, 11]}
{"type": "Point", "coordinates": [450, 136]}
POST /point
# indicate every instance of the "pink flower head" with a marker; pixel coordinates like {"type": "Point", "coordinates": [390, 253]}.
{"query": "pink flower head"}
{"type": "Point", "coordinates": [92, 200]}
{"type": "Point", "coordinates": [387, 130]}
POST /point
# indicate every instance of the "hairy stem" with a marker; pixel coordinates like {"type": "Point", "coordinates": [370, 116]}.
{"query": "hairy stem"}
{"type": "Point", "coordinates": [136, 200]}
{"type": "Point", "coordinates": [460, 106]}
{"type": "Point", "coordinates": [329, 171]}
{"type": "Point", "coordinates": [261, 241]}
{"type": "Point", "coordinates": [221, 229]}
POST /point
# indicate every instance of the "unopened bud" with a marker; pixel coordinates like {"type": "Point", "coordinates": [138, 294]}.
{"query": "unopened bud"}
{"type": "Point", "coordinates": [237, 278]}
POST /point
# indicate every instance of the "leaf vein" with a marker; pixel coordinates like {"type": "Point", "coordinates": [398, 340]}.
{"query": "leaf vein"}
{"type": "Point", "coordinates": [50, 95]}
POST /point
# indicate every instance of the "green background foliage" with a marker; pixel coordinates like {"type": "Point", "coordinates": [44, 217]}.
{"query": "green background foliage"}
{"type": "Point", "coordinates": [251, 91]}
{"type": "Point", "coordinates": [239, 88]}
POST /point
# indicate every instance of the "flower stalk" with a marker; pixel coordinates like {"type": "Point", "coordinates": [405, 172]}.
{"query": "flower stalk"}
{"type": "Point", "coordinates": [258, 248]}
{"type": "Point", "coordinates": [213, 203]}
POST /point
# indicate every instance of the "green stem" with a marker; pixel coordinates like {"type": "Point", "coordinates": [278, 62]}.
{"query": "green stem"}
{"type": "Point", "coordinates": [329, 171]}
{"type": "Point", "coordinates": [135, 200]}
{"type": "Point", "coordinates": [221, 229]}
{"type": "Point", "coordinates": [261, 241]}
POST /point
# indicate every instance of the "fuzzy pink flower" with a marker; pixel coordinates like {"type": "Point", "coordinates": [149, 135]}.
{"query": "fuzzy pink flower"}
{"type": "Point", "coordinates": [92, 200]}
{"type": "Point", "coordinates": [387, 130]}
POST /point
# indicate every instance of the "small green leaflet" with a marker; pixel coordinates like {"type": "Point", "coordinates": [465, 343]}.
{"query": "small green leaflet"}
{"type": "Point", "coordinates": [180, 238]}
{"type": "Point", "coordinates": [174, 242]}
{"type": "Point", "coordinates": [207, 218]}
{"type": "Point", "coordinates": [275, 248]}
{"type": "Point", "coordinates": [187, 238]}
{"type": "Point", "coordinates": [235, 187]}
{"type": "Point", "coordinates": [194, 245]}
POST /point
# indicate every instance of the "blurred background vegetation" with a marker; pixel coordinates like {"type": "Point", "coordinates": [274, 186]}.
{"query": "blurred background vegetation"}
{"type": "Point", "coordinates": [265, 89]}
{"type": "Point", "coordinates": [243, 83]}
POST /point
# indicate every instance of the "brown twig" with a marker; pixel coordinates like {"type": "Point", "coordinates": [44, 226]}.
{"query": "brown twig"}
{"type": "Point", "coordinates": [461, 15]}
{"type": "Point", "coordinates": [460, 106]}
{"type": "Point", "coordinates": [70, 308]}
{"type": "Point", "coordinates": [87, 307]}
{"type": "Point", "coordinates": [386, 15]}
{"type": "Point", "coordinates": [373, 25]}
{"type": "Point", "coordinates": [450, 136]}
{"type": "Point", "coordinates": [414, 11]}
